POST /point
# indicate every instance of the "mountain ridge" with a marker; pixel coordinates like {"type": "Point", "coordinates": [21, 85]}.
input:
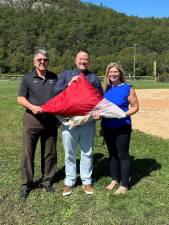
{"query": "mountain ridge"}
{"type": "Point", "coordinates": [70, 25]}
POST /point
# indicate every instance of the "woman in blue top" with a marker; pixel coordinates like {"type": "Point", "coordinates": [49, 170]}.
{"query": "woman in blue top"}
{"type": "Point", "coordinates": [117, 132]}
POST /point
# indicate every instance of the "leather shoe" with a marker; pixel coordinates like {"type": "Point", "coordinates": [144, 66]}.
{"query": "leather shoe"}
{"type": "Point", "coordinates": [50, 189]}
{"type": "Point", "coordinates": [24, 194]}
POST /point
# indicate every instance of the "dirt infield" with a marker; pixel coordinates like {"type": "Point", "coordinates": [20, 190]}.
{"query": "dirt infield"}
{"type": "Point", "coordinates": [153, 116]}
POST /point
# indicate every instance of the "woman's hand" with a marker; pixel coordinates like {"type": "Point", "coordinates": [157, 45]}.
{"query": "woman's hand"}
{"type": "Point", "coordinates": [96, 114]}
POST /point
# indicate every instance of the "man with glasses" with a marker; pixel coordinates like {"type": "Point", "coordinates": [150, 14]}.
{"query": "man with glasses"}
{"type": "Point", "coordinates": [35, 89]}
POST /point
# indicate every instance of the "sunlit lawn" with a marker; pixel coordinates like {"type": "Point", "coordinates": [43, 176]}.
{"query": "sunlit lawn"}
{"type": "Point", "coordinates": [147, 202]}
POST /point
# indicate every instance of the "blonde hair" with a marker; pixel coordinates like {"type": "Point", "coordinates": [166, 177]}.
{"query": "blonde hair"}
{"type": "Point", "coordinates": [106, 81]}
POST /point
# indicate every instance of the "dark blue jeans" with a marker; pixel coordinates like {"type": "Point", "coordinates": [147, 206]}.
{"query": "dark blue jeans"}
{"type": "Point", "coordinates": [118, 140]}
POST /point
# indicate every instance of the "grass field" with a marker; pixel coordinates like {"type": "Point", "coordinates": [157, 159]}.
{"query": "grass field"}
{"type": "Point", "coordinates": [144, 84]}
{"type": "Point", "coordinates": [147, 202]}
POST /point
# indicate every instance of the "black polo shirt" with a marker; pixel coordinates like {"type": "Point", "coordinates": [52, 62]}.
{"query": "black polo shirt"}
{"type": "Point", "coordinates": [35, 89]}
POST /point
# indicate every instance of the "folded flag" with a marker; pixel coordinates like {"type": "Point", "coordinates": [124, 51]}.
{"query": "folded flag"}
{"type": "Point", "coordinates": [78, 101]}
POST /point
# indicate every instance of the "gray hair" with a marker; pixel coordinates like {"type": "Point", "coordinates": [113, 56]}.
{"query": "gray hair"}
{"type": "Point", "coordinates": [41, 51]}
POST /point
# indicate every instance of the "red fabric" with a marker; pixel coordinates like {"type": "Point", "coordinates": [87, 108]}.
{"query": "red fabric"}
{"type": "Point", "coordinates": [77, 99]}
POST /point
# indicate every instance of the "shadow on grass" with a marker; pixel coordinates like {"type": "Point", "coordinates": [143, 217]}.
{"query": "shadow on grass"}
{"type": "Point", "coordinates": [140, 168]}
{"type": "Point", "coordinates": [100, 167]}
{"type": "Point", "coordinates": [60, 175]}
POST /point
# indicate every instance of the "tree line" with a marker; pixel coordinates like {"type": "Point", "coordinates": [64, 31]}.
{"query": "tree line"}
{"type": "Point", "coordinates": [63, 27]}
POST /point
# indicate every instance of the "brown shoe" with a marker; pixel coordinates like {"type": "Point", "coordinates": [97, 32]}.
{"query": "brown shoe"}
{"type": "Point", "coordinates": [122, 190]}
{"type": "Point", "coordinates": [67, 190]}
{"type": "Point", "coordinates": [88, 189]}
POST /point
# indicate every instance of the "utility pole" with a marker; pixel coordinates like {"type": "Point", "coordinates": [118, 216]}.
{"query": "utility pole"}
{"type": "Point", "coordinates": [134, 60]}
{"type": "Point", "coordinates": [155, 72]}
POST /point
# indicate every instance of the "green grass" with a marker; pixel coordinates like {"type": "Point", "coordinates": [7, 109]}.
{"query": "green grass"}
{"type": "Point", "coordinates": [143, 84]}
{"type": "Point", "coordinates": [145, 204]}
{"type": "Point", "coordinates": [138, 84]}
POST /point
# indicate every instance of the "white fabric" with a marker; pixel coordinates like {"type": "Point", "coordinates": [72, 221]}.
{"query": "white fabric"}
{"type": "Point", "coordinates": [107, 109]}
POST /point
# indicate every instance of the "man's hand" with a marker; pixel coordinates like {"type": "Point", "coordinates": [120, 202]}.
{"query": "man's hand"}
{"type": "Point", "coordinates": [36, 109]}
{"type": "Point", "coordinates": [73, 79]}
{"type": "Point", "coordinates": [25, 103]}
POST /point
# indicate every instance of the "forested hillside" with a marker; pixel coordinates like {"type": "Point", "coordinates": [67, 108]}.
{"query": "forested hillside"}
{"type": "Point", "coordinates": [63, 26]}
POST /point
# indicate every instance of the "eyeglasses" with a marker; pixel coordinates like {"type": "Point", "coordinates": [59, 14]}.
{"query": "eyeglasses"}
{"type": "Point", "coordinates": [40, 60]}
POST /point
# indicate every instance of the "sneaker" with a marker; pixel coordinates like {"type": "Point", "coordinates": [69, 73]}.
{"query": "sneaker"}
{"type": "Point", "coordinates": [67, 190]}
{"type": "Point", "coordinates": [88, 189]}
{"type": "Point", "coordinates": [121, 190]}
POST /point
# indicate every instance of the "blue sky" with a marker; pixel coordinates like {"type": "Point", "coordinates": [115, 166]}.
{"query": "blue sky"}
{"type": "Point", "coordinates": [140, 8]}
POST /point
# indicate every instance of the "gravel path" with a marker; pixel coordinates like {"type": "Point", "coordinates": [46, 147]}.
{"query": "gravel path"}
{"type": "Point", "coordinates": [153, 116]}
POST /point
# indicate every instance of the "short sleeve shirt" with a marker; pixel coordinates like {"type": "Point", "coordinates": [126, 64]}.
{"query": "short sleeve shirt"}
{"type": "Point", "coordinates": [35, 89]}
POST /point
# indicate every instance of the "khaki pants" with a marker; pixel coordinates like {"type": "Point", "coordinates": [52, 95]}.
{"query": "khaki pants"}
{"type": "Point", "coordinates": [43, 127]}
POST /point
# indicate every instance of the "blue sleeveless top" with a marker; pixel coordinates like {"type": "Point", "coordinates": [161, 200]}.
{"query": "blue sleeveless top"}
{"type": "Point", "coordinates": [119, 96]}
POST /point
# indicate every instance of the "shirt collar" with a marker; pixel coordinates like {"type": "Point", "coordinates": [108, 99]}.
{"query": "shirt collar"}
{"type": "Point", "coordinates": [86, 72]}
{"type": "Point", "coordinates": [35, 75]}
